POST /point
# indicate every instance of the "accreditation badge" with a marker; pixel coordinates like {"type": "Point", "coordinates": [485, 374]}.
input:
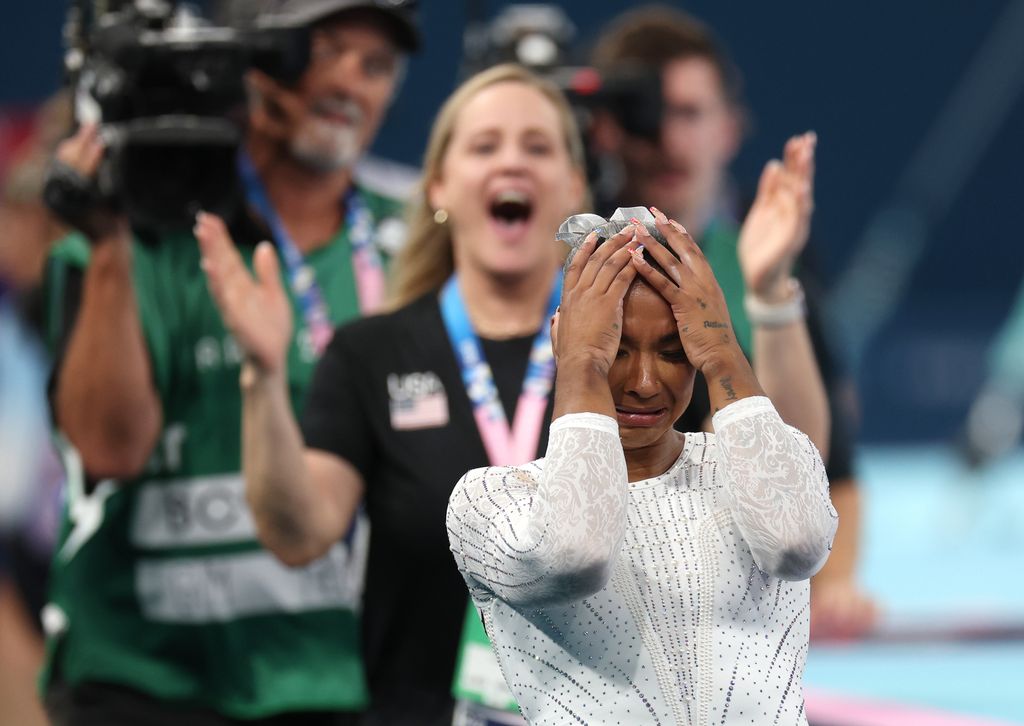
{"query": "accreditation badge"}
{"type": "Point", "coordinates": [478, 677]}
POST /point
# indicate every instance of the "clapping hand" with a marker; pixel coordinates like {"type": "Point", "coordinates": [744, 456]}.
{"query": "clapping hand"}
{"type": "Point", "coordinates": [777, 226]}
{"type": "Point", "coordinates": [255, 309]}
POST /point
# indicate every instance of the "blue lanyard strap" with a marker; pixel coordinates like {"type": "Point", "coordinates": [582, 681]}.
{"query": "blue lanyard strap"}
{"type": "Point", "coordinates": [301, 276]}
{"type": "Point", "coordinates": [479, 379]}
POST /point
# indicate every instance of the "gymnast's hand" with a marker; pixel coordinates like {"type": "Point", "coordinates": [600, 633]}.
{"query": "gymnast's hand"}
{"type": "Point", "coordinates": [586, 330]}
{"type": "Point", "coordinates": [255, 309]}
{"type": "Point", "coordinates": [589, 319]}
{"type": "Point", "coordinates": [690, 287]}
{"type": "Point", "coordinates": [699, 308]}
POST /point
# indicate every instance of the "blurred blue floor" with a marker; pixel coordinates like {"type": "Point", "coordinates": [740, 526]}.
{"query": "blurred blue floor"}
{"type": "Point", "coordinates": [941, 544]}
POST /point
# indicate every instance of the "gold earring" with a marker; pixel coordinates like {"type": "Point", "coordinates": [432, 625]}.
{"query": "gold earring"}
{"type": "Point", "coordinates": [440, 216]}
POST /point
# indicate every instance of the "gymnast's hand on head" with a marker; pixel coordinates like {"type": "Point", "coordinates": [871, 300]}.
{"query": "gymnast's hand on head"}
{"type": "Point", "coordinates": [588, 326]}
{"type": "Point", "coordinates": [698, 305]}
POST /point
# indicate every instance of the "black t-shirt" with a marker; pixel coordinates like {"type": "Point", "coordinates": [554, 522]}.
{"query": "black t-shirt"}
{"type": "Point", "coordinates": [388, 397]}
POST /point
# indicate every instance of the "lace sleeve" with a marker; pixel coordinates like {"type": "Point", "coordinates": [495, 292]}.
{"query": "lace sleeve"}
{"type": "Point", "coordinates": [539, 535]}
{"type": "Point", "coordinates": [776, 487]}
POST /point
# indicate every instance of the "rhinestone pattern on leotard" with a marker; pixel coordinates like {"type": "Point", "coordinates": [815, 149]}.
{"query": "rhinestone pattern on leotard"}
{"type": "Point", "coordinates": [657, 602]}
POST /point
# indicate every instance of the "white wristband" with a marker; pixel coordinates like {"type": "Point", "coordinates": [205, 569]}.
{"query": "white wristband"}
{"type": "Point", "coordinates": [776, 314]}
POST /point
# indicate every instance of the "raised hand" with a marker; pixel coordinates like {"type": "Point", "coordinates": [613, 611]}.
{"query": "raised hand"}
{"type": "Point", "coordinates": [70, 189]}
{"type": "Point", "coordinates": [83, 150]}
{"type": "Point", "coordinates": [256, 310]}
{"type": "Point", "coordinates": [590, 315]}
{"type": "Point", "coordinates": [776, 228]}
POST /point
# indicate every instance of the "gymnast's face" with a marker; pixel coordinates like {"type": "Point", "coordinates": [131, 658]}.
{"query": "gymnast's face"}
{"type": "Point", "coordinates": [651, 379]}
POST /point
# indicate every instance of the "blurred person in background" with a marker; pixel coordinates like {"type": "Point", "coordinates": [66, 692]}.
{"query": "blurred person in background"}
{"type": "Point", "coordinates": [389, 420]}
{"type": "Point", "coordinates": [685, 172]}
{"type": "Point", "coordinates": [27, 232]}
{"type": "Point", "coordinates": [33, 478]}
{"type": "Point", "coordinates": [24, 437]}
{"type": "Point", "coordinates": [27, 229]}
{"type": "Point", "coordinates": [164, 608]}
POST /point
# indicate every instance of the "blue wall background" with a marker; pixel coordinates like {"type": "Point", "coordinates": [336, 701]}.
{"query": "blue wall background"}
{"type": "Point", "coordinates": [870, 78]}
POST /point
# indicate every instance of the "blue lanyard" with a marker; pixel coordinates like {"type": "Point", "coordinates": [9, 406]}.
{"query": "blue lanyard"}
{"type": "Point", "coordinates": [301, 276]}
{"type": "Point", "coordinates": [504, 445]}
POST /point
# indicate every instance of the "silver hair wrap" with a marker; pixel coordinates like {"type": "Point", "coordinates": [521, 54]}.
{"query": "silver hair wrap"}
{"type": "Point", "coordinates": [574, 230]}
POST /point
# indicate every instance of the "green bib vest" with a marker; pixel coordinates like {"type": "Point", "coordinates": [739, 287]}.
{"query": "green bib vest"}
{"type": "Point", "coordinates": [158, 583]}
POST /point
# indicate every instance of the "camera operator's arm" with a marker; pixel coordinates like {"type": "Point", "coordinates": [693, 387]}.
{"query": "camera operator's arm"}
{"type": "Point", "coordinates": [105, 400]}
{"type": "Point", "coordinates": [302, 500]}
{"type": "Point", "coordinates": [773, 234]}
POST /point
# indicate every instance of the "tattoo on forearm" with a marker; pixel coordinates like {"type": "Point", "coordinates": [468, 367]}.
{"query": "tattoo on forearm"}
{"type": "Point", "coordinates": [702, 304]}
{"type": "Point", "coordinates": [726, 383]}
{"type": "Point", "coordinates": [714, 324]}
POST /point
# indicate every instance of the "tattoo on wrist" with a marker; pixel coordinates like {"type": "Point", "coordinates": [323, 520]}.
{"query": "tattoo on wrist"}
{"type": "Point", "coordinates": [714, 324]}
{"type": "Point", "coordinates": [726, 383]}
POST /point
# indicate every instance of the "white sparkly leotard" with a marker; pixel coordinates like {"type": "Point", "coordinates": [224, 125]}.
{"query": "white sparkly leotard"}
{"type": "Point", "coordinates": [681, 599]}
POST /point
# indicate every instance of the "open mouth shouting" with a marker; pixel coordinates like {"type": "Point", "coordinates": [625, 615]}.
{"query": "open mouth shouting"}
{"type": "Point", "coordinates": [510, 212]}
